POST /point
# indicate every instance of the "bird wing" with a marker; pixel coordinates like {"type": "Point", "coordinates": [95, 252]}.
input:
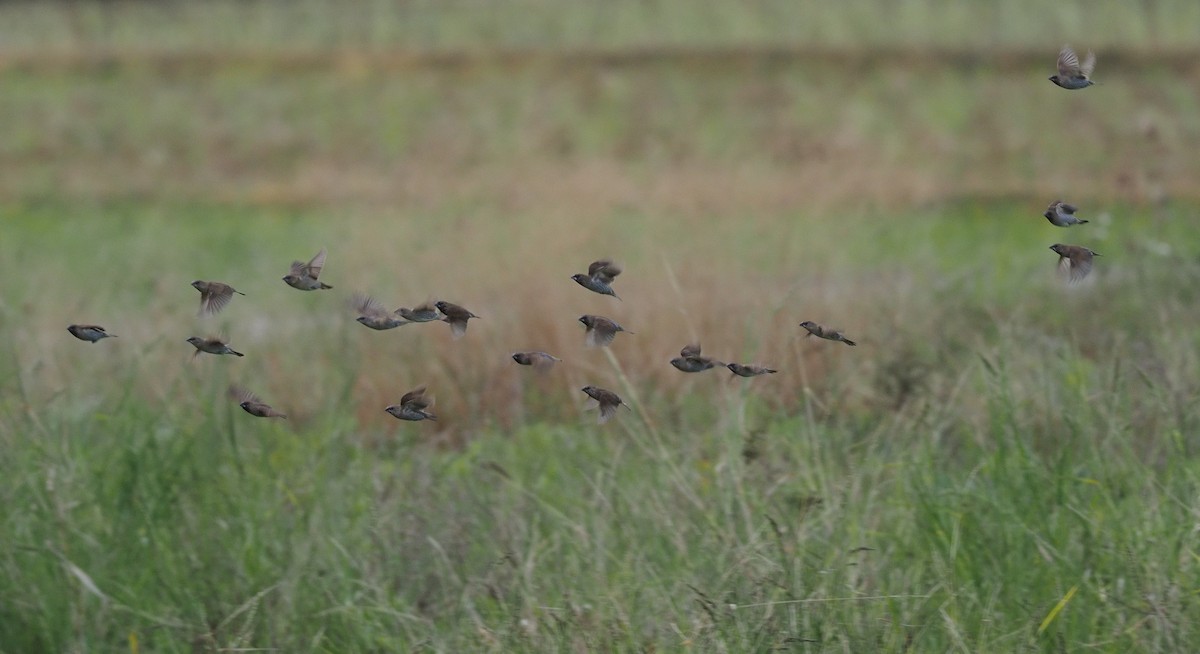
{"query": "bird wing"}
{"type": "Point", "coordinates": [368, 306]}
{"type": "Point", "coordinates": [689, 351]}
{"type": "Point", "coordinates": [1068, 62]}
{"type": "Point", "coordinates": [313, 269]}
{"type": "Point", "coordinates": [600, 334]}
{"type": "Point", "coordinates": [1081, 264]}
{"type": "Point", "coordinates": [542, 361]}
{"type": "Point", "coordinates": [604, 270]}
{"type": "Point", "coordinates": [414, 398]}
{"type": "Point", "coordinates": [1088, 65]}
{"type": "Point", "coordinates": [298, 268]}
{"type": "Point", "coordinates": [1068, 208]}
{"type": "Point", "coordinates": [215, 299]}
{"type": "Point", "coordinates": [242, 395]}
{"type": "Point", "coordinates": [458, 325]}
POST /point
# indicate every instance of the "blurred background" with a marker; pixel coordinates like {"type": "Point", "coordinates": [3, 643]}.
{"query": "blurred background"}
{"type": "Point", "coordinates": [877, 167]}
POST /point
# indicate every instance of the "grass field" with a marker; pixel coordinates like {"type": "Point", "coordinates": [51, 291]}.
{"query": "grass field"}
{"type": "Point", "coordinates": [1004, 463]}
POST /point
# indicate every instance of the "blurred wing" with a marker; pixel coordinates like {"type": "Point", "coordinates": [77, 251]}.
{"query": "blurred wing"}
{"type": "Point", "coordinates": [414, 397]}
{"type": "Point", "coordinates": [213, 302]}
{"type": "Point", "coordinates": [298, 268]}
{"type": "Point", "coordinates": [602, 336]}
{"type": "Point", "coordinates": [1089, 64]}
{"type": "Point", "coordinates": [458, 327]}
{"type": "Point", "coordinates": [604, 270]}
{"type": "Point", "coordinates": [368, 306]}
{"type": "Point", "coordinates": [313, 269]}
{"type": "Point", "coordinates": [1068, 63]}
{"type": "Point", "coordinates": [1068, 208]}
{"type": "Point", "coordinates": [606, 412]}
{"type": "Point", "coordinates": [542, 361]}
{"type": "Point", "coordinates": [242, 395]}
{"type": "Point", "coordinates": [690, 351]}
{"type": "Point", "coordinates": [1081, 265]}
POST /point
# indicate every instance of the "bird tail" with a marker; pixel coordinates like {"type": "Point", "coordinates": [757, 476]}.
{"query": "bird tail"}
{"type": "Point", "coordinates": [849, 342]}
{"type": "Point", "coordinates": [233, 352]}
{"type": "Point", "coordinates": [1083, 222]}
{"type": "Point", "coordinates": [325, 286]}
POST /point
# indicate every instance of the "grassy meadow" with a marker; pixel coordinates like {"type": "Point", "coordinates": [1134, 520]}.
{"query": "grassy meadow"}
{"type": "Point", "coordinates": [1004, 463]}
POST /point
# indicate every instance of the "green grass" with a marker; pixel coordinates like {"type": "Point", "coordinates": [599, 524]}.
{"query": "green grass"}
{"type": "Point", "coordinates": [1005, 463]}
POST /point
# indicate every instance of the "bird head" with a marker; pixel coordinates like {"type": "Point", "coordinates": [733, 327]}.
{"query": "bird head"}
{"type": "Point", "coordinates": [195, 340]}
{"type": "Point", "coordinates": [198, 285]}
{"type": "Point", "coordinates": [586, 320]}
{"type": "Point", "coordinates": [1054, 78]}
{"type": "Point", "coordinates": [291, 279]}
{"type": "Point", "coordinates": [1058, 249]}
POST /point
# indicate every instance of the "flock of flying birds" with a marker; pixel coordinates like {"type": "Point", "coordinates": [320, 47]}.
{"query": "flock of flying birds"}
{"type": "Point", "coordinates": [1074, 260]}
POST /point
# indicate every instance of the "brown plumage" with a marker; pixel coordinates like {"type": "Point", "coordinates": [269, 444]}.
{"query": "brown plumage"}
{"type": "Point", "coordinates": [600, 330]}
{"type": "Point", "coordinates": [455, 316]}
{"type": "Point", "coordinates": [373, 314]}
{"type": "Point", "coordinates": [252, 404]}
{"type": "Point", "coordinates": [1074, 260]}
{"type": "Point", "coordinates": [606, 400]}
{"type": "Point", "coordinates": [541, 361]}
{"type": "Point", "coordinates": [212, 346]}
{"type": "Point", "coordinates": [214, 296]}
{"type": "Point", "coordinates": [823, 332]}
{"type": "Point", "coordinates": [604, 271]}
{"type": "Point", "coordinates": [749, 370]}
{"type": "Point", "coordinates": [413, 406]}
{"type": "Point", "coordinates": [690, 360]}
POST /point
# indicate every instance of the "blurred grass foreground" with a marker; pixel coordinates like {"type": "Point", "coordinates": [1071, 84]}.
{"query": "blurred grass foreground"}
{"type": "Point", "coordinates": [1004, 463]}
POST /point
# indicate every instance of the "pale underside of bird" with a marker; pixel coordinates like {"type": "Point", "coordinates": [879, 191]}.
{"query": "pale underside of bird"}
{"type": "Point", "coordinates": [824, 332]}
{"type": "Point", "coordinates": [214, 296]}
{"type": "Point", "coordinates": [89, 333]}
{"type": "Point", "coordinates": [303, 276]}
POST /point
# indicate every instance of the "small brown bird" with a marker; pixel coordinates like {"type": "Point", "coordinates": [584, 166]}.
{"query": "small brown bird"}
{"type": "Point", "coordinates": [828, 334]}
{"type": "Point", "coordinates": [252, 404]}
{"type": "Point", "coordinates": [1073, 75]}
{"type": "Point", "coordinates": [599, 277]}
{"type": "Point", "coordinates": [689, 360]}
{"type": "Point", "coordinates": [541, 361]}
{"type": "Point", "coordinates": [412, 406]}
{"type": "Point", "coordinates": [427, 312]}
{"type": "Point", "coordinates": [1061, 214]}
{"type": "Point", "coordinates": [304, 275]}
{"type": "Point", "coordinates": [1074, 260]}
{"type": "Point", "coordinates": [214, 296]}
{"type": "Point", "coordinates": [373, 314]}
{"type": "Point", "coordinates": [600, 330]}
{"type": "Point", "coordinates": [607, 401]}
{"type": "Point", "coordinates": [89, 333]}
{"type": "Point", "coordinates": [212, 346]}
{"type": "Point", "coordinates": [456, 316]}
{"type": "Point", "coordinates": [749, 370]}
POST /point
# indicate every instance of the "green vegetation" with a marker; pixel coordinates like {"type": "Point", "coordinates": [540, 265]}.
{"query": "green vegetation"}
{"type": "Point", "coordinates": [1005, 463]}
